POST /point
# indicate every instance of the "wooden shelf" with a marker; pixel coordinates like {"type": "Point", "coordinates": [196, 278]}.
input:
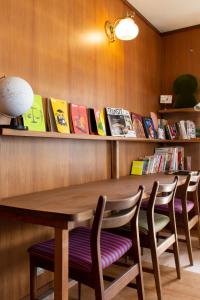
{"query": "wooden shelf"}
{"type": "Point", "coordinates": [38, 134]}
{"type": "Point", "coordinates": [178, 110]}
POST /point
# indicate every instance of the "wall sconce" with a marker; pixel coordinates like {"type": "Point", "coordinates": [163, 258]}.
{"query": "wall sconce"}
{"type": "Point", "coordinates": [124, 29]}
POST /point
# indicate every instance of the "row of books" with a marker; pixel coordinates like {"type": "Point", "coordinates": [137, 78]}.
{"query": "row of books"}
{"type": "Point", "coordinates": [185, 129]}
{"type": "Point", "coordinates": [68, 118]}
{"type": "Point", "coordinates": [166, 159]}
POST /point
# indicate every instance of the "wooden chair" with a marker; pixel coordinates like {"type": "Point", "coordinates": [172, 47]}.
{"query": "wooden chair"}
{"type": "Point", "coordinates": [93, 250]}
{"type": "Point", "coordinates": [186, 206]}
{"type": "Point", "coordinates": [150, 224]}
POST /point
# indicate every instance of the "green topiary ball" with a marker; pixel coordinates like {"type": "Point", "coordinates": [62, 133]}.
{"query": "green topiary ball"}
{"type": "Point", "coordinates": [185, 86]}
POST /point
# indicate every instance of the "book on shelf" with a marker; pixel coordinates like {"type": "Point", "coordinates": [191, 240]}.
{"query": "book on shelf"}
{"type": "Point", "coordinates": [79, 119]}
{"type": "Point", "coordinates": [129, 130]}
{"type": "Point", "coordinates": [100, 121]}
{"type": "Point", "coordinates": [149, 128]}
{"type": "Point", "coordinates": [120, 122]}
{"type": "Point", "coordinates": [154, 118]}
{"type": "Point", "coordinates": [92, 121]}
{"type": "Point", "coordinates": [57, 115]}
{"type": "Point", "coordinates": [137, 125]}
{"type": "Point", "coordinates": [137, 167]}
{"type": "Point", "coordinates": [161, 129]}
{"type": "Point", "coordinates": [34, 117]}
{"type": "Point", "coordinates": [197, 132]}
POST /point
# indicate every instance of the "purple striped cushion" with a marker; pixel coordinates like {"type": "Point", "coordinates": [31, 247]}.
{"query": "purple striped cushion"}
{"type": "Point", "coordinates": [177, 206]}
{"type": "Point", "coordinates": [112, 248]}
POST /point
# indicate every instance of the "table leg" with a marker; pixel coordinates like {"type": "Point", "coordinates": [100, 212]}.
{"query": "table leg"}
{"type": "Point", "coordinates": [61, 264]}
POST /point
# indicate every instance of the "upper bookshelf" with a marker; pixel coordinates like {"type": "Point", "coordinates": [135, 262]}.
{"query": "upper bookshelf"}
{"type": "Point", "coordinates": [178, 110]}
{"type": "Point", "coordinates": [38, 134]}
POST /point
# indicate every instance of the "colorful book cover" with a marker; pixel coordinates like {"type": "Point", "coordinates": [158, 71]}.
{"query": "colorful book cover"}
{"type": "Point", "coordinates": [116, 121]}
{"type": "Point", "coordinates": [161, 129]}
{"type": "Point", "coordinates": [79, 119]}
{"type": "Point", "coordinates": [137, 167]}
{"type": "Point", "coordinates": [154, 118]}
{"type": "Point", "coordinates": [100, 121]}
{"type": "Point", "coordinates": [60, 111]}
{"type": "Point", "coordinates": [149, 128]}
{"type": "Point", "coordinates": [137, 125]}
{"type": "Point", "coordinates": [129, 130]}
{"type": "Point", "coordinates": [34, 117]}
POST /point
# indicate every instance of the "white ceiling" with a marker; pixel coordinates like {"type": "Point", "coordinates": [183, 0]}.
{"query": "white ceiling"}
{"type": "Point", "coordinates": [167, 15]}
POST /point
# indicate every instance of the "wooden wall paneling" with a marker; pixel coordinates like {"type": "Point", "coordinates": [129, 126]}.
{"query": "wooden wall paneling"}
{"type": "Point", "coordinates": [62, 51]}
{"type": "Point", "coordinates": [180, 55]}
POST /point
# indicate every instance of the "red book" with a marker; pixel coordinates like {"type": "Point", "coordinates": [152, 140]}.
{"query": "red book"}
{"type": "Point", "coordinates": [79, 119]}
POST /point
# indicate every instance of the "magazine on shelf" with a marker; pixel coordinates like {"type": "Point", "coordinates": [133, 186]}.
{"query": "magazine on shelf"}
{"type": "Point", "coordinates": [120, 122]}
{"type": "Point", "coordinates": [149, 128]}
{"type": "Point", "coordinates": [137, 125]}
{"type": "Point", "coordinates": [34, 117]}
{"type": "Point", "coordinates": [60, 113]}
{"type": "Point", "coordinates": [100, 121]}
{"type": "Point", "coordinates": [79, 119]}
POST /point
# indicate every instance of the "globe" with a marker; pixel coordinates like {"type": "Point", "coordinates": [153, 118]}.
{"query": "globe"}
{"type": "Point", "coordinates": [16, 96]}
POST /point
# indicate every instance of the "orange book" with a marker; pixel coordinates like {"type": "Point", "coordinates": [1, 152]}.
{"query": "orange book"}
{"type": "Point", "coordinates": [79, 119]}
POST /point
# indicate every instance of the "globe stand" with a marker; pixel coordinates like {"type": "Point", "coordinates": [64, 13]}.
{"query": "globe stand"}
{"type": "Point", "coordinates": [15, 123]}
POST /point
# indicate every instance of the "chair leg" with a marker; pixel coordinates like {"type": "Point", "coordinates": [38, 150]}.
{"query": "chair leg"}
{"type": "Point", "coordinates": [33, 280]}
{"type": "Point", "coordinates": [189, 245]}
{"type": "Point", "coordinates": [198, 230]}
{"type": "Point", "coordinates": [140, 286]}
{"type": "Point", "coordinates": [99, 295]}
{"type": "Point", "coordinates": [176, 258]}
{"type": "Point", "coordinates": [156, 269]}
{"type": "Point", "coordinates": [79, 290]}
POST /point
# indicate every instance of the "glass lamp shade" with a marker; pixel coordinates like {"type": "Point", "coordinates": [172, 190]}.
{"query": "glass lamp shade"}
{"type": "Point", "coordinates": [126, 29]}
{"type": "Point", "coordinates": [16, 96]}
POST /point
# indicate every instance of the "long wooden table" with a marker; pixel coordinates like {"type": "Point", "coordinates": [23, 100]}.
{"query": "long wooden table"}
{"type": "Point", "coordinates": [60, 207]}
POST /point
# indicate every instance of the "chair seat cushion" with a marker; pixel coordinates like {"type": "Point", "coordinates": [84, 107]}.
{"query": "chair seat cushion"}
{"type": "Point", "coordinates": [160, 221]}
{"type": "Point", "coordinates": [112, 248]}
{"type": "Point", "coordinates": [177, 206]}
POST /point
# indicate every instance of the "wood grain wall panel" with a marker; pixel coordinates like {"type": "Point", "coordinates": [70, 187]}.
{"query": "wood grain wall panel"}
{"type": "Point", "coordinates": [181, 55]}
{"type": "Point", "coordinates": [60, 48]}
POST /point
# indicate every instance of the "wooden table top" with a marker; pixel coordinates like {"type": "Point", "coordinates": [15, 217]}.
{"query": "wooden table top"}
{"type": "Point", "coordinates": [75, 203]}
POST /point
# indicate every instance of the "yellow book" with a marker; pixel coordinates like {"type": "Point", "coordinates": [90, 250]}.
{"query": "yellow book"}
{"type": "Point", "coordinates": [60, 111]}
{"type": "Point", "coordinates": [137, 167]}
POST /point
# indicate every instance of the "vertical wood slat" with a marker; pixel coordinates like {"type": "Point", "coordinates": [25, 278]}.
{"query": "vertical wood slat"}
{"type": "Point", "coordinates": [115, 159]}
{"type": "Point", "coordinates": [61, 264]}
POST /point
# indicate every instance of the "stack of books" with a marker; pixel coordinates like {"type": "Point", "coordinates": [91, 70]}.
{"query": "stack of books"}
{"type": "Point", "coordinates": [166, 159]}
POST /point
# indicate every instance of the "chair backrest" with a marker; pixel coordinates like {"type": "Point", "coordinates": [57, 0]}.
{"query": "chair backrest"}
{"type": "Point", "coordinates": [117, 212]}
{"type": "Point", "coordinates": [113, 214]}
{"type": "Point", "coordinates": [192, 182]}
{"type": "Point", "coordinates": [162, 193]}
